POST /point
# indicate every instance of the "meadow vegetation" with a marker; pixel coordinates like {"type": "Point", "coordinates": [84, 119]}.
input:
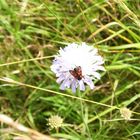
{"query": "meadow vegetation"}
{"type": "Point", "coordinates": [32, 32]}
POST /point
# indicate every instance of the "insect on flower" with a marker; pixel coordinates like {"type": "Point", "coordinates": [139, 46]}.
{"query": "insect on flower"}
{"type": "Point", "coordinates": [77, 73]}
{"type": "Point", "coordinates": [77, 65]}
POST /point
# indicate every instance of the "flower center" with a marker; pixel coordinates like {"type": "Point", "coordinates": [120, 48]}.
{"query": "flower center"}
{"type": "Point", "coordinates": [76, 73]}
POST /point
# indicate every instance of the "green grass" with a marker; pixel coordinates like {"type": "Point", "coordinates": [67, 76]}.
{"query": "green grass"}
{"type": "Point", "coordinates": [31, 33]}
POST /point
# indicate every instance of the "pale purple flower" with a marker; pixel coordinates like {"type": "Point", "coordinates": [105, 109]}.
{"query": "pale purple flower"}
{"type": "Point", "coordinates": [77, 65]}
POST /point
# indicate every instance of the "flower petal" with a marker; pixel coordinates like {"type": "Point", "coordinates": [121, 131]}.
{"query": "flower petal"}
{"type": "Point", "coordinates": [81, 85]}
{"type": "Point", "coordinates": [88, 81]}
{"type": "Point", "coordinates": [73, 86]}
{"type": "Point", "coordinates": [96, 75]}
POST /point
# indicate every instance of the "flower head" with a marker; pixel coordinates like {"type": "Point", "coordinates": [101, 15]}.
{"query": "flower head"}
{"type": "Point", "coordinates": [126, 113]}
{"type": "Point", "coordinates": [55, 121]}
{"type": "Point", "coordinates": [76, 65]}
